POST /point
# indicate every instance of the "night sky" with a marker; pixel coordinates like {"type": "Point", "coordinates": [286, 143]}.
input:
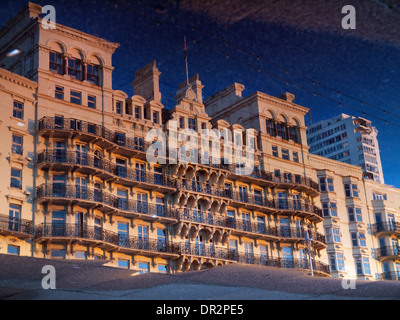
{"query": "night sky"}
{"type": "Point", "coordinates": [269, 46]}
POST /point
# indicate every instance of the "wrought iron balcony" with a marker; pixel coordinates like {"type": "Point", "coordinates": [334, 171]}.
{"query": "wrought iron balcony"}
{"type": "Point", "coordinates": [388, 252]}
{"type": "Point", "coordinates": [18, 227]}
{"type": "Point", "coordinates": [62, 124]}
{"type": "Point", "coordinates": [386, 227]}
{"type": "Point", "coordinates": [101, 236]}
{"type": "Point", "coordinates": [90, 161]}
{"type": "Point", "coordinates": [393, 275]}
{"type": "Point", "coordinates": [105, 199]}
{"type": "Point", "coordinates": [205, 250]}
{"type": "Point", "coordinates": [287, 263]}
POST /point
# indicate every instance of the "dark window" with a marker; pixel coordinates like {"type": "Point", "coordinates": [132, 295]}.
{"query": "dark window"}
{"type": "Point", "coordinates": [76, 97]}
{"type": "Point", "coordinates": [275, 151]}
{"type": "Point", "coordinates": [285, 154]}
{"type": "Point", "coordinates": [281, 129]}
{"type": "Point", "coordinates": [118, 107]}
{"type": "Point", "coordinates": [119, 138]}
{"type": "Point", "coordinates": [92, 102]}
{"type": "Point", "coordinates": [16, 178]}
{"type": "Point", "coordinates": [17, 143]}
{"type": "Point", "coordinates": [56, 62]}
{"type": "Point", "coordinates": [155, 117]}
{"type": "Point", "coordinates": [192, 123]}
{"type": "Point", "coordinates": [93, 74]}
{"type": "Point", "coordinates": [18, 110]}
{"type": "Point", "coordinates": [75, 68]}
{"type": "Point", "coordinates": [270, 127]}
{"type": "Point", "coordinates": [59, 92]}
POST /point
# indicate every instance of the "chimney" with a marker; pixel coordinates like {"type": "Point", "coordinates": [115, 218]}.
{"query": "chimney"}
{"type": "Point", "coordinates": [195, 84]}
{"type": "Point", "coordinates": [287, 96]}
{"type": "Point", "coordinates": [146, 82]}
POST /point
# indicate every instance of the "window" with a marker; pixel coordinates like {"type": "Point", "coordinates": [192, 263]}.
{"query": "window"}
{"type": "Point", "coordinates": [351, 190]}
{"type": "Point", "coordinates": [329, 209]}
{"type": "Point", "coordinates": [119, 138]}
{"type": "Point", "coordinates": [92, 73]}
{"type": "Point", "coordinates": [293, 134]}
{"type": "Point", "coordinates": [123, 234]}
{"type": "Point", "coordinates": [58, 254]}
{"type": "Point", "coordinates": [337, 262]}
{"type": "Point", "coordinates": [162, 268]}
{"type": "Point", "coordinates": [363, 267]}
{"type": "Point", "coordinates": [144, 267]}
{"type": "Point", "coordinates": [123, 263]}
{"type": "Point", "coordinates": [285, 154]}
{"type": "Point", "coordinates": [358, 239]}
{"type": "Point", "coordinates": [275, 151]}
{"type": "Point", "coordinates": [270, 127]}
{"type": "Point", "coordinates": [160, 207]}
{"type": "Point", "coordinates": [80, 255]}
{"type": "Point", "coordinates": [281, 130]}
{"type": "Point", "coordinates": [92, 102]}
{"type": "Point", "coordinates": [332, 235]}
{"type": "Point", "coordinates": [56, 62]}
{"type": "Point", "coordinates": [295, 156]}
{"type": "Point", "coordinates": [14, 214]}
{"type": "Point", "coordinates": [355, 214]}
{"type": "Point", "coordinates": [59, 92]}
{"type": "Point", "coordinates": [326, 184]}
{"type": "Point", "coordinates": [13, 250]}
{"type": "Point", "coordinates": [16, 178]}
{"type": "Point", "coordinates": [137, 113]}
{"type": "Point", "coordinates": [75, 68]}
{"type": "Point", "coordinates": [118, 107]}
{"type": "Point", "coordinates": [17, 142]}
{"type": "Point", "coordinates": [379, 196]}
{"type": "Point", "coordinates": [181, 122]}
{"type": "Point", "coordinates": [155, 117]}
{"type": "Point", "coordinates": [122, 196]}
{"type": "Point", "coordinates": [76, 97]}
{"type": "Point", "coordinates": [18, 110]}
{"type": "Point", "coordinates": [192, 123]}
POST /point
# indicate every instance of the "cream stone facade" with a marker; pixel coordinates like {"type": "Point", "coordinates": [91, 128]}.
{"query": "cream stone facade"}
{"type": "Point", "coordinates": [82, 187]}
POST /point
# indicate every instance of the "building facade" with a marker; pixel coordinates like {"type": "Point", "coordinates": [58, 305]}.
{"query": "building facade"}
{"type": "Point", "coordinates": [78, 183]}
{"type": "Point", "coordinates": [348, 139]}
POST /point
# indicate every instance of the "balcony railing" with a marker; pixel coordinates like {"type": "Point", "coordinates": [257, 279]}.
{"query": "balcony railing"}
{"type": "Point", "coordinates": [287, 263]}
{"type": "Point", "coordinates": [94, 195]}
{"type": "Point", "coordinates": [12, 225]}
{"type": "Point", "coordinates": [76, 125]}
{"type": "Point", "coordinates": [138, 144]}
{"type": "Point", "coordinates": [386, 226]}
{"type": "Point", "coordinates": [204, 250]}
{"type": "Point", "coordinates": [393, 275]}
{"type": "Point", "coordinates": [92, 161]}
{"type": "Point", "coordinates": [97, 234]}
{"type": "Point", "coordinates": [388, 251]}
{"type": "Point", "coordinates": [206, 217]}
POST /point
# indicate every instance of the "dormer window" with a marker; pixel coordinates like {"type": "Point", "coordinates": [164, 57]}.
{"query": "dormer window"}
{"type": "Point", "coordinates": [192, 123]}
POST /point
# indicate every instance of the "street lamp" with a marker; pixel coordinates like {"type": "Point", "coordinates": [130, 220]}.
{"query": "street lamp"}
{"type": "Point", "coordinates": [308, 249]}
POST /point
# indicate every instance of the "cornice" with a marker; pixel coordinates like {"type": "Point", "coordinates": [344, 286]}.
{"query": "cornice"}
{"type": "Point", "coordinates": [84, 37]}
{"type": "Point", "coordinates": [17, 79]}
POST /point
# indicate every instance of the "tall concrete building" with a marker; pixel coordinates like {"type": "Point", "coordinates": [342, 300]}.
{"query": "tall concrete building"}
{"type": "Point", "coordinates": [348, 139]}
{"type": "Point", "coordinates": [78, 183]}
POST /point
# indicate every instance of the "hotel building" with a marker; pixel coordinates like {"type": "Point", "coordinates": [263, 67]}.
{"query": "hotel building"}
{"type": "Point", "coordinates": [78, 185]}
{"type": "Point", "coordinates": [348, 139]}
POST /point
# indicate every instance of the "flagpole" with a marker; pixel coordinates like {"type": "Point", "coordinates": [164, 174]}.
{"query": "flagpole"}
{"type": "Point", "coordinates": [186, 61]}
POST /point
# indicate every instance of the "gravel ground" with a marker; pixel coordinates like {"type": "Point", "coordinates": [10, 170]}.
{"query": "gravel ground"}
{"type": "Point", "coordinates": [20, 278]}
